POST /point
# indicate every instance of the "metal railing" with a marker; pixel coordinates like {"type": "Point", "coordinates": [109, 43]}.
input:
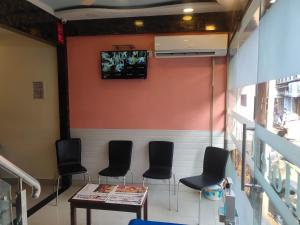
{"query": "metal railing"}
{"type": "Point", "coordinates": [13, 169]}
{"type": "Point", "coordinates": [21, 208]}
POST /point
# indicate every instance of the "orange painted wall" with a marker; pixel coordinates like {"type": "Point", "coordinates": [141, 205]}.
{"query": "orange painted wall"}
{"type": "Point", "coordinates": [175, 96]}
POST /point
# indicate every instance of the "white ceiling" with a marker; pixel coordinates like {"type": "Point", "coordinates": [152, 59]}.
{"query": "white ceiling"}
{"type": "Point", "coordinates": [94, 13]}
{"type": "Point", "coordinates": [57, 4]}
{"type": "Point", "coordinates": [108, 10]}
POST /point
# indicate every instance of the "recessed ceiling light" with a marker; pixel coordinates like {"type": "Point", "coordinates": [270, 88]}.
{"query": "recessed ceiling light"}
{"type": "Point", "coordinates": [187, 18]}
{"type": "Point", "coordinates": [210, 27]}
{"type": "Point", "coordinates": [139, 23]}
{"type": "Point", "coordinates": [272, 1]}
{"type": "Point", "coordinates": [87, 2]}
{"type": "Point", "coordinates": [188, 10]}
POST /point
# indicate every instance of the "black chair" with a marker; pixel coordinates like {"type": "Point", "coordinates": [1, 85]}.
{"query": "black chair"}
{"type": "Point", "coordinates": [160, 163]}
{"type": "Point", "coordinates": [214, 165]}
{"type": "Point", "coordinates": [68, 153]}
{"type": "Point", "coordinates": [119, 160]}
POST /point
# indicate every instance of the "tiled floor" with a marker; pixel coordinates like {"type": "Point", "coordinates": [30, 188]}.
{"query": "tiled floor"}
{"type": "Point", "coordinates": [157, 210]}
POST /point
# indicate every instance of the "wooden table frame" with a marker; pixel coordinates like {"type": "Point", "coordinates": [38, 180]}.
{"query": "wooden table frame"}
{"type": "Point", "coordinates": [88, 205]}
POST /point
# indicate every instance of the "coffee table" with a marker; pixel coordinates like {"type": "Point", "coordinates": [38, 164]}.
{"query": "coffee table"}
{"type": "Point", "coordinates": [88, 199]}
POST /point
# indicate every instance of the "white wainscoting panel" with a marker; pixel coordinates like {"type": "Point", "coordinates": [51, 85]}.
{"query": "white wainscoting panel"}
{"type": "Point", "coordinates": [188, 151]}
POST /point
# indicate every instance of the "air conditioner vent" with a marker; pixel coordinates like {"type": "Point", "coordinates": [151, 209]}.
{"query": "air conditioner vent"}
{"type": "Point", "coordinates": [178, 54]}
{"type": "Point", "coordinates": [202, 45]}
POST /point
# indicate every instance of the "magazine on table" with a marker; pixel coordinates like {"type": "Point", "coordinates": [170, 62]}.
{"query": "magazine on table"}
{"type": "Point", "coordinates": [90, 192]}
{"type": "Point", "coordinates": [116, 194]}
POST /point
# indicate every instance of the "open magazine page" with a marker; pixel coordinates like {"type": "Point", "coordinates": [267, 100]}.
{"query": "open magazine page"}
{"type": "Point", "coordinates": [95, 192]}
{"type": "Point", "coordinates": [128, 195]}
{"type": "Point", "coordinates": [116, 194]}
{"type": "Point", "coordinates": [125, 198]}
{"type": "Point", "coordinates": [131, 189]}
{"type": "Point", "coordinates": [105, 188]}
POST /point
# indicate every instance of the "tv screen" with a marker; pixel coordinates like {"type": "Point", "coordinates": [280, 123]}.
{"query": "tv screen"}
{"type": "Point", "coordinates": [124, 64]}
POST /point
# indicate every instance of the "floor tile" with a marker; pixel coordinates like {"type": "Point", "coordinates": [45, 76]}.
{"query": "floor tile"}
{"type": "Point", "coordinates": [157, 210]}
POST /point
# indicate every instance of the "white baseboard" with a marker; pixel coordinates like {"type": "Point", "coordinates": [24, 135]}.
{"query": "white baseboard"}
{"type": "Point", "coordinates": [188, 152]}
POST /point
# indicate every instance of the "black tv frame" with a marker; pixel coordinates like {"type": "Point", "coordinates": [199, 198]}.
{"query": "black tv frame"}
{"type": "Point", "coordinates": [125, 77]}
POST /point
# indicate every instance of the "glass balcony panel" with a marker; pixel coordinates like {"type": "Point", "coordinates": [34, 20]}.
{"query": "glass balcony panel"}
{"type": "Point", "coordinates": [284, 178]}
{"type": "Point", "coordinates": [5, 203]}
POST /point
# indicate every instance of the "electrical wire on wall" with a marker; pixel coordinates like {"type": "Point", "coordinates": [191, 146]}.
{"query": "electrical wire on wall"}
{"type": "Point", "coordinates": [212, 102]}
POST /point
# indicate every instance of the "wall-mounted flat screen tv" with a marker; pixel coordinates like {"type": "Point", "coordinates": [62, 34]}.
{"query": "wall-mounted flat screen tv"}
{"type": "Point", "coordinates": [124, 64]}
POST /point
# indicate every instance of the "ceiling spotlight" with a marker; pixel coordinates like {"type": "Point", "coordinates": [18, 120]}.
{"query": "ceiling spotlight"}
{"type": "Point", "coordinates": [187, 18]}
{"type": "Point", "coordinates": [272, 1]}
{"type": "Point", "coordinates": [210, 27]}
{"type": "Point", "coordinates": [139, 23]}
{"type": "Point", "coordinates": [87, 2]}
{"type": "Point", "coordinates": [188, 10]}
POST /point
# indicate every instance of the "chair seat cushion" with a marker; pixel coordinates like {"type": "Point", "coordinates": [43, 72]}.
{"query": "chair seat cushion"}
{"type": "Point", "coordinates": [71, 168]}
{"type": "Point", "coordinates": [142, 222]}
{"type": "Point", "coordinates": [114, 172]}
{"type": "Point", "coordinates": [199, 182]}
{"type": "Point", "coordinates": [158, 173]}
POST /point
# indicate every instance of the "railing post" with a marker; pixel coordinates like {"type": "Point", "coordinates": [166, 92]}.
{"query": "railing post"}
{"type": "Point", "coordinates": [21, 206]}
{"type": "Point", "coordinates": [298, 197]}
{"type": "Point", "coordinates": [244, 142]}
{"type": "Point", "coordinates": [287, 184]}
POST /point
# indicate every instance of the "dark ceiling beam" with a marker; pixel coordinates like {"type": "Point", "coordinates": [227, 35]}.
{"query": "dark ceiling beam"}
{"type": "Point", "coordinates": [22, 16]}
{"type": "Point", "coordinates": [151, 24]}
{"type": "Point", "coordinates": [236, 18]}
{"type": "Point", "coordinates": [140, 6]}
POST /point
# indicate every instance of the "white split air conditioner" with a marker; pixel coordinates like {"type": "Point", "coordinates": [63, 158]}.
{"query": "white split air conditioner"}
{"type": "Point", "coordinates": [191, 45]}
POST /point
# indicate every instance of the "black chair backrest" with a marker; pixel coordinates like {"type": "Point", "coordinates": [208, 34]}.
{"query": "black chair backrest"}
{"type": "Point", "coordinates": [215, 160]}
{"type": "Point", "coordinates": [68, 151]}
{"type": "Point", "coordinates": [161, 154]}
{"type": "Point", "coordinates": [120, 154]}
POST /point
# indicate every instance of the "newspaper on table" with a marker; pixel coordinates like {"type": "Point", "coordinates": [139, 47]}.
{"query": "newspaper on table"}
{"type": "Point", "coordinates": [116, 194]}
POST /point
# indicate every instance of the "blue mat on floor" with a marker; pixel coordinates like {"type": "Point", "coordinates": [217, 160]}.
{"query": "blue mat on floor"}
{"type": "Point", "coordinates": [142, 222]}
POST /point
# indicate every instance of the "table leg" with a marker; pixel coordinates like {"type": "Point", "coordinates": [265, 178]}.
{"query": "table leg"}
{"type": "Point", "coordinates": [73, 215]}
{"type": "Point", "coordinates": [146, 209]}
{"type": "Point", "coordinates": [139, 213]}
{"type": "Point", "coordinates": [88, 217]}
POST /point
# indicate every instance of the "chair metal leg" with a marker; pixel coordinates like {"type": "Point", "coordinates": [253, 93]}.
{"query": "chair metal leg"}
{"type": "Point", "coordinates": [131, 177]}
{"type": "Point", "coordinates": [178, 196]}
{"type": "Point", "coordinates": [143, 181]}
{"type": "Point", "coordinates": [54, 185]}
{"type": "Point", "coordinates": [99, 179]}
{"type": "Point", "coordinates": [124, 180]}
{"type": "Point", "coordinates": [57, 188]}
{"type": "Point", "coordinates": [199, 215]}
{"type": "Point", "coordinates": [84, 178]}
{"type": "Point", "coordinates": [174, 183]}
{"type": "Point", "coordinates": [89, 178]}
{"type": "Point", "coordinates": [169, 194]}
